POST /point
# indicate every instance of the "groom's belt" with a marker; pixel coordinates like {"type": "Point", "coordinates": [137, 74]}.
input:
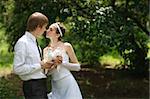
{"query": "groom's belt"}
{"type": "Point", "coordinates": [41, 79]}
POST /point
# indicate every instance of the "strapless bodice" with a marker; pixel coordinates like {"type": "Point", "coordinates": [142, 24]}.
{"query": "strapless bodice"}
{"type": "Point", "coordinates": [60, 72]}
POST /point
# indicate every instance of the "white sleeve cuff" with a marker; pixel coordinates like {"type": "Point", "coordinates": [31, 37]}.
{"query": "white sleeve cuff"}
{"type": "Point", "coordinates": [72, 66]}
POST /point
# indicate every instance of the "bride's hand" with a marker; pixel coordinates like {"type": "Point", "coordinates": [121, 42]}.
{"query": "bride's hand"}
{"type": "Point", "coordinates": [57, 60]}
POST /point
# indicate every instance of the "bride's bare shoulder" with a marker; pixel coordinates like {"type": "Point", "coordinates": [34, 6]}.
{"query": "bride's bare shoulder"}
{"type": "Point", "coordinates": [66, 44]}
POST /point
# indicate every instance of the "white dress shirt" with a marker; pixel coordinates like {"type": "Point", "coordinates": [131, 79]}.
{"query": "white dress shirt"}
{"type": "Point", "coordinates": [27, 58]}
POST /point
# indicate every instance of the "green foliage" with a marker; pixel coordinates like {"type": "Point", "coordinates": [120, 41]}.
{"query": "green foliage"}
{"type": "Point", "coordinates": [112, 60]}
{"type": "Point", "coordinates": [6, 9]}
{"type": "Point", "coordinates": [109, 27]}
{"type": "Point", "coordinates": [9, 87]}
{"type": "Point", "coordinates": [23, 8]}
{"type": "Point", "coordinates": [6, 57]}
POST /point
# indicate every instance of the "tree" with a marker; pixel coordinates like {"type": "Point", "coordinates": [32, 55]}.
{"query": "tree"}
{"type": "Point", "coordinates": [119, 24]}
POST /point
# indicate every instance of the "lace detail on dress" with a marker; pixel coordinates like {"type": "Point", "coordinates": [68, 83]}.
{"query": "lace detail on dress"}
{"type": "Point", "coordinates": [49, 55]}
{"type": "Point", "coordinates": [57, 52]}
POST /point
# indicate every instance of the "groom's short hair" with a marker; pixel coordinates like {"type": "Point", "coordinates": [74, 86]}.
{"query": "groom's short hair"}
{"type": "Point", "coordinates": [35, 20]}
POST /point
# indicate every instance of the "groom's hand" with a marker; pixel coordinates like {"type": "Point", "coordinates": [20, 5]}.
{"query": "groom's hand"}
{"type": "Point", "coordinates": [46, 65]}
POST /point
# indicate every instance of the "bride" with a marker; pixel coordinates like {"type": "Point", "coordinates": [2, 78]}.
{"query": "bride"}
{"type": "Point", "coordinates": [64, 85]}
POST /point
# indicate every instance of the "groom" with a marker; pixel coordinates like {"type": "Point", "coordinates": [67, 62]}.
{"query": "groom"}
{"type": "Point", "coordinates": [27, 61]}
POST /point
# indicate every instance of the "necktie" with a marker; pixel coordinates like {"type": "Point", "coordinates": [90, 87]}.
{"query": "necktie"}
{"type": "Point", "coordinates": [40, 52]}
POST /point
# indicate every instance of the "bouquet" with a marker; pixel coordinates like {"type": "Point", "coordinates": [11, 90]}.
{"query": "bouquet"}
{"type": "Point", "coordinates": [47, 57]}
{"type": "Point", "coordinates": [58, 52]}
{"type": "Point", "coordinates": [51, 56]}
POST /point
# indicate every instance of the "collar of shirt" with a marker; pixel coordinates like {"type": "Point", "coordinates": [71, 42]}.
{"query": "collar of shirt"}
{"type": "Point", "coordinates": [32, 37]}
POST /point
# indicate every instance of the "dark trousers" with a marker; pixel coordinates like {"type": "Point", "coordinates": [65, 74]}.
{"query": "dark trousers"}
{"type": "Point", "coordinates": [35, 89]}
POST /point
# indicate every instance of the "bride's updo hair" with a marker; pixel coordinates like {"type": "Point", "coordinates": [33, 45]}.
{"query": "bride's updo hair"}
{"type": "Point", "coordinates": [60, 29]}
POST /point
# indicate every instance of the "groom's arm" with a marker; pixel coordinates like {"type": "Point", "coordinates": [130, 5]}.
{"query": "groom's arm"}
{"type": "Point", "coordinates": [20, 66]}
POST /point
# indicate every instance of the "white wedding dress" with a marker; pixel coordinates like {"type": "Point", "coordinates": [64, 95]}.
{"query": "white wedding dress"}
{"type": "Point", "coordinates": [64, 85]}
